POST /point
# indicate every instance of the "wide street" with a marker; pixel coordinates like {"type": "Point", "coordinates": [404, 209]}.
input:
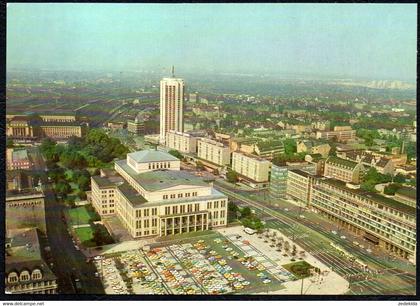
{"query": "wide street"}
{"type": "Point", "coordinates": [67, 260]}
{"type": "Point", "coordinates": [383, 276]}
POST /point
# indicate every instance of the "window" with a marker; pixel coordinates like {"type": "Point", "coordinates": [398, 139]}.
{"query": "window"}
{"type": "Point", "coordinates": [172, 196]}
{"type": "Point", "coordinates": [189, 207]}
{"type": "Point", "coordinates": [196, 207]}
{"type": "Point", "coordinates": [194, 194]}
{"type": "Point", "coordinates": [165, 196]}
{"type": "Point", "coordinates": [146, 212]}
{"type": "Point", "coordinates": [208, 205]}
{"type": "Point", "coordinates": [179, 195]}
{"type": "Point", "coordinates": [174, 210]}
{"type": "Point", "coordinates": [154, 211]}
{"type": "Point", "coordinates": [167, 210]}
{"type": "Point", "coordinates": [146, 223]}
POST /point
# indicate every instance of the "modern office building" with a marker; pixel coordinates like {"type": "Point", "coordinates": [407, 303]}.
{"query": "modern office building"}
{"type": "Point", "coordinates": [344, 170]}
{"type": "Point", "coordinates": [153, 197]}
{"type": "Point", "coordinates": [381, 220]}
{"type": "Point", "coordinates": [269, 149]}
{"type": "Point", "coordinates": [252, 169]}
{"type": "Point", "coordinates": [214, 152]}
{"type": "Point", "coordinates": [171, 105]}
{"type": "Point", "coordinates": [26, 272]}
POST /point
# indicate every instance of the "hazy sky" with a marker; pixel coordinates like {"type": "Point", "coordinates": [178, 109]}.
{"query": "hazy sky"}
{"type": "Point", "coordinates": [365, 40]}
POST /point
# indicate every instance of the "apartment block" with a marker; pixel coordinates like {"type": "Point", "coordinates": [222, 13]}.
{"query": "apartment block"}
{"type": "Point", "coordinates": [252, 169]}
{"type": "Point", "coordinates": [213, 151]}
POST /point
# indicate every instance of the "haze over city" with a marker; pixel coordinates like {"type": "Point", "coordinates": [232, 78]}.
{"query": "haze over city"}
{"type": "Point", "coordinates": [344, 41]}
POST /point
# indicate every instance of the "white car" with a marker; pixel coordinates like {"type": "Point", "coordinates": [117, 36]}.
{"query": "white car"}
{"type": "Point", "coordinates": [343, 237]}
{"type": "Point", "coordinates": [369, 250]}
{"type": "Point", "coordinates": [334, 232]}
{"type": "Point", "coordinates": [77, 247]}
{"type": "Point", "coordinates": [286, 209]}
{"type": "Point", "coordinates": [302, 216]}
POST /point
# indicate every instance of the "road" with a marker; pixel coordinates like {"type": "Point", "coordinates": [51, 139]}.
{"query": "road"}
{"type": "Point", "coordinates": [316, 240]}
{"type": "Point", "coordinates": [67, 260]}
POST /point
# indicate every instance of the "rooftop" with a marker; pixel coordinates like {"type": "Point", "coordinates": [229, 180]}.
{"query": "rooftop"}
{"type": "Point", "coordinates": [342, 162]}
{"type": "Point", "coordinates": [146, 156]}
{"type": "Point", "coordinates": [161, 179]}
{"type": "Point", "coordinates": [131, 194]}
{"type": "Point", "coordinates": [391, 203]}
{"type": "Point", "coordinates": [107, 181]}
{"type": "Point", "coordinates": [408, 192]}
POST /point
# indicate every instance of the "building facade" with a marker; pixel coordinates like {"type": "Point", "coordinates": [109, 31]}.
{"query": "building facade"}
{"type": "Point", "coordinates": [343, 170]}
{"type": "Point", "coordinates": [340, 135]}
{"type": "Point", "coordinates": [213, 151]}
{"type": "Point", "coordinates": [171, 106]}
{"type": "Point", "coordinates": [279, 176]}
{"type": "Point", "coordinates": [254, 169]}
{"type": "Point", "coordinates": [299, 185]}
{"type": "Point", "coordinates": [382, 221]}
{"type": "Point", "coordinates": [182, 142]}
{"type": "Point", "coordinates": [153, 197]}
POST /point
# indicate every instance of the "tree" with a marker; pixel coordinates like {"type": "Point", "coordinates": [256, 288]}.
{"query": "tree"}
{"type": "Point", "coordinates": [392, 188]}
{"type": "Point", "coordinates": [176, 153]}
{"type": "Point", "coordinates": [399, 178]}
{"type": "Point", "coordinates": [290, 146]}
{"type": "Point", "coordinates": [62, 188]}
{"type": "Point", "coordinates": [246, 212]}
{"type": "Point", "coordinates": [83, 182]}
{"type": "Point", "coordinates": [199, 166]}
{"type": "Point", "coordinates": [232, 176]}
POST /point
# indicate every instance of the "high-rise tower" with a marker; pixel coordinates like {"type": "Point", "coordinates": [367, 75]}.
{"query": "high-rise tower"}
{"type": "Point", "coordinates": [171, 105]}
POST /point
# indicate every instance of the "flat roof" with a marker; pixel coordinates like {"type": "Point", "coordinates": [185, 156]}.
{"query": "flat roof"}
{"type": "Point", "coordinates": [146, 156]}
{"type": "Point", "coordinates": [131, 194]}
{"type": "Point", "coordinates": [161, 179]}
{"type": "Point", "coordinates": [107, 181]}
{"type": "Point", "coordinates": [391, 203]}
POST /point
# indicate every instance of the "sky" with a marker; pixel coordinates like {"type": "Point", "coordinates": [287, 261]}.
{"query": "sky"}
{"type": "Point", "coordinates": [352, 40]}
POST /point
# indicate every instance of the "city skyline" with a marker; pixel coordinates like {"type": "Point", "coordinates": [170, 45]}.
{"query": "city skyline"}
{"type": "Point", "coordinates": [354, 41]}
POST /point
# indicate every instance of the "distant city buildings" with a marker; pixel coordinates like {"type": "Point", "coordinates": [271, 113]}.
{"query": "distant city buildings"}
{"type": "Point", "coordinates": [151, 196]}
{"type": "Point", "coordinates": [340, 134]}
{"type": "Point", "coordinates": [310, 147]}
{"type": "Point", "coordinates": [136, 126]}
{"type": "Point", "coordinates": [32, 127]}
{"type": "Point", "coordinates": [171, 105]}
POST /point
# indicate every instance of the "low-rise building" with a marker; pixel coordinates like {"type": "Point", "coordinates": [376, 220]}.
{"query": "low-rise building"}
{"type": "Point", "coordinates": [213, 151]}
{"type": "Point", "coordinates": [155, 198]}
{"type": "Point", "coordinates": [310, 147]}
{"type": "Point", "coordinates": [381, 220]}
{"type": "Point", "coordinates": [341, 134]}
{"type": "Point", "coordinates": [18, 159]}
{"type": "Point", "coordinates": [26, 272]}
{"type": "Point", "coordinates": [381, 164]}
{"type": "Point", "coordinates": [343, 170]}
{"type": "Point", "coordinates": [269, 149]}
{"type": "Point", "coordinates": [252, 169]}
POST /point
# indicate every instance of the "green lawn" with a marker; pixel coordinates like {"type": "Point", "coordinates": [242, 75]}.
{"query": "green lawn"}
{"type": "Point", "coordinates": [85, 235]}
{"type": "Point", "coordinates": [300, 269]}
{"type": "Point", "coordinates": [79, 215]}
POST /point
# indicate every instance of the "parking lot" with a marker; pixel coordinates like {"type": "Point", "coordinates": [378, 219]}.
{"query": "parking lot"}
{"type": "Point", "coordinates": [223, 262]}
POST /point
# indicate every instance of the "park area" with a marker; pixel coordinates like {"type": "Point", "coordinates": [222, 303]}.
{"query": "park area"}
{"type": "Point", "coordinates": [215, 262]}
{"type": "Point", "coordinates": [84, 223]}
